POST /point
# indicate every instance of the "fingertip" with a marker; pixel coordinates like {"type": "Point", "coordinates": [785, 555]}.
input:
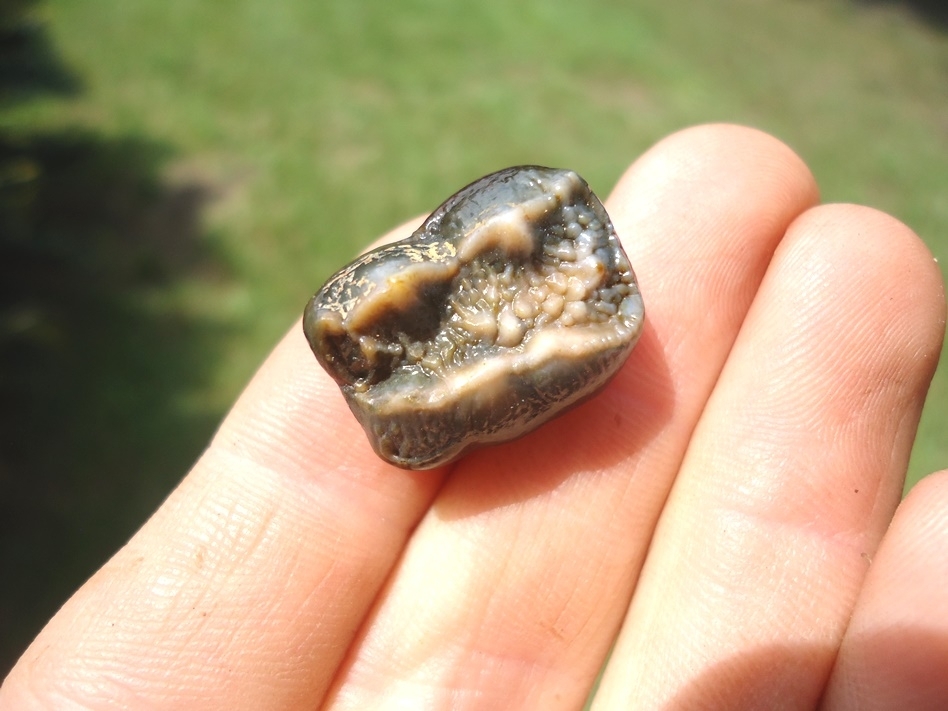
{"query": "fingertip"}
{"type": "Point", "coordinates": [923, 514]}
{"type": "Point", "coordinates": [883, 259]}
{"type": "Point", "coordinates": [721, 157]}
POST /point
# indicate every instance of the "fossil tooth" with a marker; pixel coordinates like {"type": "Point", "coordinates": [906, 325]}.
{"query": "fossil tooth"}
{"type": "Point", "coordinates": [513, 302]}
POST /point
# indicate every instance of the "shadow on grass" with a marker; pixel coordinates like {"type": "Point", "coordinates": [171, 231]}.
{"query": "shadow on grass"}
{"type": "Point", "coordinates": [932, 12]}
{"type": "Point", "coordinates": [29, 65]}
{"type": "Point", "coordinates": [100, 368]}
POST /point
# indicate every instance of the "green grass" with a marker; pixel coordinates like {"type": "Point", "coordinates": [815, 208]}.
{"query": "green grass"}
{"type": "Point", "coordinates": [179, 175]}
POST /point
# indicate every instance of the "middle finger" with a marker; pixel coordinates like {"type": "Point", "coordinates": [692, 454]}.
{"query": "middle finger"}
{"type": "Point", "coordinates": [514, 585]}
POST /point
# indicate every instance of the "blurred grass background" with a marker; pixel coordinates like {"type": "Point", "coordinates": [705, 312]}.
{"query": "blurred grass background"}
{"type": "Point", "coordinates": [177, 177]}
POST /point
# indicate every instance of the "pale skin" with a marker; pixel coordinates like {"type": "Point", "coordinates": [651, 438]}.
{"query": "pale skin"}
{"type": "Point", "coordinates": [724, 517]}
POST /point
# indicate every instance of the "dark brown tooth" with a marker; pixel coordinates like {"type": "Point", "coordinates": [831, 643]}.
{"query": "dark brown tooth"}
{"type": "Point", "coordinates": [513, 302]}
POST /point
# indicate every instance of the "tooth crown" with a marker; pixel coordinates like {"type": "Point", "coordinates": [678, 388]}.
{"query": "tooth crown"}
{"type": "Point", "coordinates": [512, 302]}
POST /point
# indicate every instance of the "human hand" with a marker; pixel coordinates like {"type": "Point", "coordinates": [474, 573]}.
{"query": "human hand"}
{"type": "Point", "coordinates": [713, 512]}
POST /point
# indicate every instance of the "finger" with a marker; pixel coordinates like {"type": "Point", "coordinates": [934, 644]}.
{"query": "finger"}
{"type": "Point", "coordinates": [895, 651]}
{"type": "Point", "coordinates": [246, 587]}
{"type": "Point", "coordinates": [513, 587]}
{"type": "Point", "coordinates": [792, 475]}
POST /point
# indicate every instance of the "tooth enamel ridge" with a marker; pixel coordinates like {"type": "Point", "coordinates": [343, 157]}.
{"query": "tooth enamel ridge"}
{"type": "Point", "coordinates": [513, 302]}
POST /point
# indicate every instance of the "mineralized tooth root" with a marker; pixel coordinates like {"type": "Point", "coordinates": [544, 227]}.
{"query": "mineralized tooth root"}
{"type": "Point", "coordinates": [513, 302]}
